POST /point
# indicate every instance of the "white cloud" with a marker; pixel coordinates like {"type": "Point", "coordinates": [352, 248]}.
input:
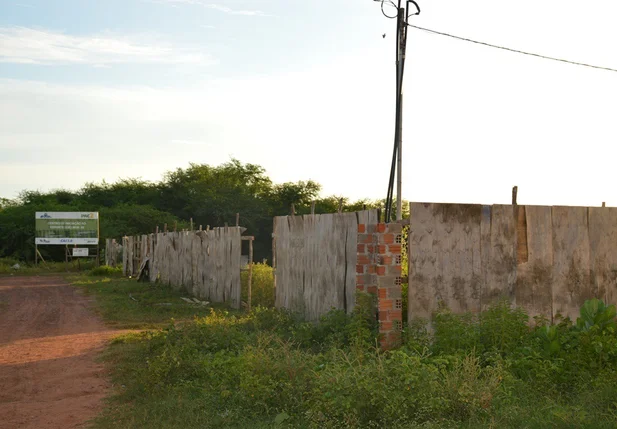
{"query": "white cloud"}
{"type": "Point", "coordinates": [231, 11]}
{"type": "Point", "coordinates": [214, 6]}
{"type": "Point", "coordinates": [477, 122]}
{"type": "Point", "coordinates": [32, 46]}
{"type": "Point", "coordinates": [189, 142]}
{"type": "Point", "coordinates": [143, 131]}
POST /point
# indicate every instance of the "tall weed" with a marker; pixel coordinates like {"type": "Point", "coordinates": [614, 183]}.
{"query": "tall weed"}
{"type": "Point", "coordinates": [267, 368]}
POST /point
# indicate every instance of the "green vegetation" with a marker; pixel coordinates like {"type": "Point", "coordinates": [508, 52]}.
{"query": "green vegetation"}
{"type": "Point", "coordinates": [56, 268]}
{"type": "Point", "coordinates": [262, 285]}
{"type": "Point", "coordinates": [209, 195]}
{"type": "Point", "coordinates": [221, 369]}
{"type": "Point", "coordinates": [128, 304]}
{"type": "Point", "coordinates": [105, 270]}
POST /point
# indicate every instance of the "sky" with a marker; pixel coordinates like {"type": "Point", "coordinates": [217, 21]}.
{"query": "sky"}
{"type": "Point", "coordinates": [93, 90]}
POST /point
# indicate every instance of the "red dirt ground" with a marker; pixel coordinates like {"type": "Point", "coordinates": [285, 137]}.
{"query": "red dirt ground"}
{"type": "Point", "coordinates": [49, 341]}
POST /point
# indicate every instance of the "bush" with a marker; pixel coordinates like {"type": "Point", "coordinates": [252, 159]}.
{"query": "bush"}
{"type": "Point", "coordinates": [6, 265]}
{"type": "Point", "coordinates": [25, 268]}
{"type": "Point", "coordinates": [262, 285]}
{"type": "Point", "coordinates": [105, 270]}
{"type": "Point", "coordinates": [268, 367]}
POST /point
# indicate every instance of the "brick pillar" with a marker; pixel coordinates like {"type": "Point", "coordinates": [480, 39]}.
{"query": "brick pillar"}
{"type": "Point", "coordinates": [379, 272]}
{"type": "Point", "coordinates": [366, 280]}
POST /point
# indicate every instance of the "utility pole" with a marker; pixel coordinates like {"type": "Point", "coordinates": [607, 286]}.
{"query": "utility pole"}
{"type": "Point", "coordinates": [402, 43]}
{"type": "Point", "coordinates": [402, 19]}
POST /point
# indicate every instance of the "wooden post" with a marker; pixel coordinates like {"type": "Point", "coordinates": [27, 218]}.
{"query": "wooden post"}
{"type": "Point", "coordinates": [98, 255]}
{"type": "Point", "coordinates": [156, 231]}
{"type": "Point", "coordinates": [237, 219]}
{"type": "Point", "coordinates": [293, 209]}
{"type": "Point", "coordinates": [66, 257]}
{"type": "Point", "coordinates": [207, 227]}
{"type": "Point", "coordinates": [200, 227]}
{"type": "Point", "coordinates": [274, 257]}
{"type": "Point", "coordinates": [340, 205]}
{"type": "Point", "coordinates": [313, 208]}
{"type": "Point", "coordinates": [165, 228]}
{"type": "Point", "coordinates": [191, 224]}
{"type": "Point", "coordinates": [603, 204]}
{"type": "Point", "coordinates": [514, 195]}
{"type": "Point", "coordinates": [41, 256]}
{"type": "Point", "coordinates": [36, 254]}
{"type": "Point", "coordinates": [250, 291]}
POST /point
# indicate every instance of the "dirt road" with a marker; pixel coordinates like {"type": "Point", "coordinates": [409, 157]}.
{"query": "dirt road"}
{"type": "Point", "coordinates": [49, 340]}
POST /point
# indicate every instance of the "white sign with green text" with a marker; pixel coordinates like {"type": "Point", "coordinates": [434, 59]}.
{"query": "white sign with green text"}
{"type": "Point", "coordinates": [67, 228]}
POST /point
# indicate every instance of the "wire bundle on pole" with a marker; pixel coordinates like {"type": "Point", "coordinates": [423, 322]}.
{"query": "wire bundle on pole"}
{"type": "Point", "coordinates": [402, 17]}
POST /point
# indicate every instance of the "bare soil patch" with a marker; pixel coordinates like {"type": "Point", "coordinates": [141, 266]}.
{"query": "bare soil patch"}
{"type": "Point", "coordinates": [49, 340]}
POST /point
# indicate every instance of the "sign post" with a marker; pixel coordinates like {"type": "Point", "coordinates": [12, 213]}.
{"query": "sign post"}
{"type": "Point", "coordinates": [67, 228]}
{"type": "Point", "coordinates": [80, 252]}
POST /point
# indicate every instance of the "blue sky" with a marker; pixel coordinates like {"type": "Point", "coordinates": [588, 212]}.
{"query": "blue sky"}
{"type": "Point", "coordinates": [242, 38]}
{"type": "Point", "coordinates": [93, 90]}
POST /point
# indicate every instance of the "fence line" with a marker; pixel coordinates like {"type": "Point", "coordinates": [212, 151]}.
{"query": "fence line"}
{"type": "Point", "coordinates": [205, 263]}
{"type": "Point", "coordinates": [547, 260]}
{"type": "Point", "coordinates": [315, 261]}
{"type": "Point", "coordinates": [113, 252]}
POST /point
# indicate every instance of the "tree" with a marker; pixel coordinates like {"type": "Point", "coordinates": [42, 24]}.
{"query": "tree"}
{"type": "Point", "coordinates": [125, 191]}
{"type": "Point", "coordinates": [300, 194]}
{"type": "Point", "coordinates": [5, 203]}
{"type": "Point", "coordinates": [17, 229]}
{"type": "Point", "coordinates": [131, 219]}
{"type": "Point", "coordinates": [213, 196]}
{"type": "Point", "coordinates": [210, 195]}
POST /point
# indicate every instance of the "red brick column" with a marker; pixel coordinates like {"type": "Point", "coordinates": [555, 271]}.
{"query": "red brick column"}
{"type": "Point", "coordinates": [379, 272]}
{"type": "Point", "coordinates": [366, 280]}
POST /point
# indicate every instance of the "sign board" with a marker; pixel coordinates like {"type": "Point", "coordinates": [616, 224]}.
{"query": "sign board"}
{"type": "Point", "coordinates": [67, 228]}
{"type": "Point", "coordinates": [80, 252]}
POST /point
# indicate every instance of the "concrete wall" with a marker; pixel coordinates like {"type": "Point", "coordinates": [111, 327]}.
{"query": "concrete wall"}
{"type": "Point", "coordinates": [548, 260]}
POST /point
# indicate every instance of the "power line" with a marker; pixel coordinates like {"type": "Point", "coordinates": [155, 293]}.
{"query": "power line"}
{"type": "Point", "coordinates": [512, 50]}
{"type": "Point", "coordinates": [390, 2]}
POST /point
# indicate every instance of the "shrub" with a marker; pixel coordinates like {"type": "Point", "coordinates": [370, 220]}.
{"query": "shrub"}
{"type": "Point", "coordinates": [6, 265]}
{"type": "Point", "coordinates": [262, 285]}
{"type": "Point", "coordinates": [489, 370]}
{"type": "Point", "coordinates": [105, 270]}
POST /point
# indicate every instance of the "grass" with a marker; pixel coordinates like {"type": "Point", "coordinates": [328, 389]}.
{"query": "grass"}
{"type": "Point", "coordinates": [128, 304]}
{"type": "Point", "coordinates": [43, 268]}
{"type": "Point", "coordinates": [267, 368]}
